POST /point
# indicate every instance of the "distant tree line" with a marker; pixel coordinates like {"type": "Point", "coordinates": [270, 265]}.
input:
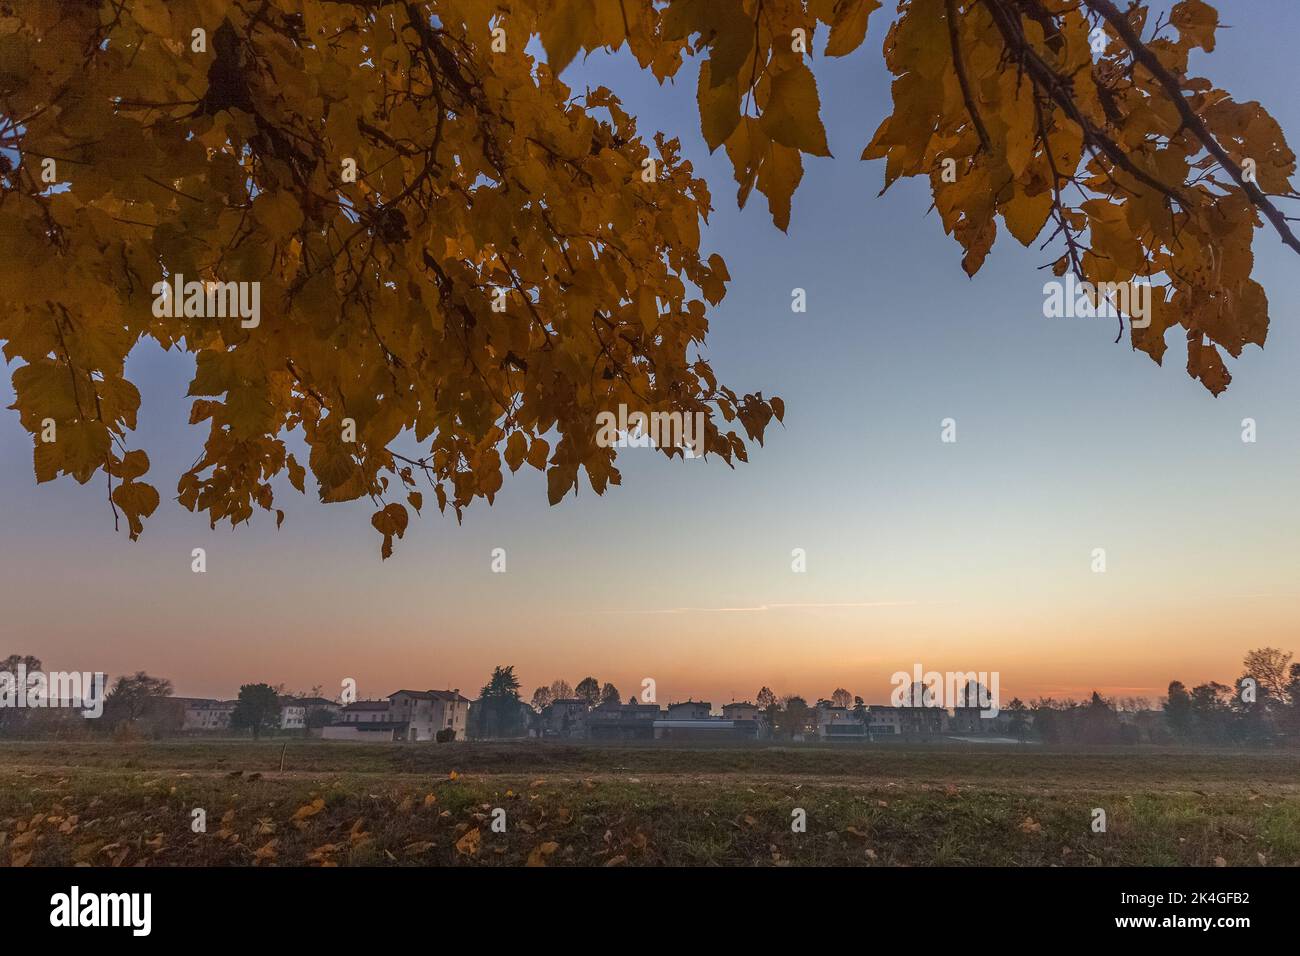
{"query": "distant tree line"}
{"type": "Point", "coordinates": [589, 691]}
{"type": "Point", "coordinates": [1263, 704]}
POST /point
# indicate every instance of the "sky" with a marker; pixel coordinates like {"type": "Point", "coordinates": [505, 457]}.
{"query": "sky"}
{"type": "Point", "coordinates": [972, 555]}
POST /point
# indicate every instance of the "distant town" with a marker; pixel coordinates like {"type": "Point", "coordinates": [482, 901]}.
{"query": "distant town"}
{"type": "Point", "coordinates": [1262, 707]}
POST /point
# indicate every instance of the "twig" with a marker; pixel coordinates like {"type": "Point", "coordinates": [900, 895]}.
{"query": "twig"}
{"type": "Point", "coordinates": [1191, 121]}
{"type": "Point", "coordinates": [966, 92]}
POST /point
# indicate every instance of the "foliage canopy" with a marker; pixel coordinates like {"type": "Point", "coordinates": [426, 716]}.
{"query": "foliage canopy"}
{"type": "Point", "coordinates": [389, 171]}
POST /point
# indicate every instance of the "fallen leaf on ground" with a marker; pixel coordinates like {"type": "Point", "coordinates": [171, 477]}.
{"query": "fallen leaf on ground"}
{"type": "Point", "coordinates": [541, 852]}
{"type": "Point", "coordinates": [308, 811]}
{"type": "Point", "coordinates": [468, 844]}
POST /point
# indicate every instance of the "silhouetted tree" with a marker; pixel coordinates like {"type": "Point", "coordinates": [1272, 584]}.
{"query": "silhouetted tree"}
{"type": "Point", "coordinates": [12, 715]}
{"type": "Point", "coordinates": [1100, 725]}
{"type": "Point", "coordinates": [793, 719]}
{"type": "Point", "coordinates": [13, 661]}
{"type": "Point", "coordinates": [500, 701]}
{"type": "Point", "coordinates": [256, 710]}
{"type": "Point", "coordinates": [1178, 710]}
{"type": "Point", "coordinates": [1270, 668]}
{"type": "Point", "coordinates": [1293, 695]}
{"type": "Point", "coordinates": [1018, 723]}
{"type": "Point", "coordinates": [588, 691]}
{"type": "Point", "coordinates": [132, 696]}
{"type": "Point", "coordinates": [1212, 711]}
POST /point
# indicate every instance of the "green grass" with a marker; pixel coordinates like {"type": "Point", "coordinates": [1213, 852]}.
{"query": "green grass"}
{"type": "Point", "coordinates": [64, 803]}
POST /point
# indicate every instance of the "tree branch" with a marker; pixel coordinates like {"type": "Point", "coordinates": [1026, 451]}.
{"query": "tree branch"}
{"type": "Point", "coordinates": [966, 92]}
{"type": "Point", "coordinates": [1057, 87]}
{"type": "Point", "coordinates": [1143, 55]}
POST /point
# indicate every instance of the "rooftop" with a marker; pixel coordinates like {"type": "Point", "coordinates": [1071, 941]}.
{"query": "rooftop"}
{"type": "Point", "coordinates": [431, 695]}
{"type": "Point", "coordinates": [368, 705]}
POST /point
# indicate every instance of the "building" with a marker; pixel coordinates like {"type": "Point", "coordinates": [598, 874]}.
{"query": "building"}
{"type": "Point", "coordinates": [630, 721]}
{"type": "Point", "coordinates": [566, 717]}
{"type": "Point", "coordinates": [707, 729]}
{"type": "Point", "coordinates": [919, 715]}
{"type": "Point", "coordinates": [884, 722]}
{"type": "Point", "coordinates": [206, 714]}
{"type": "Point", "coordinates": [922, 721]}
{"type": "Point", "coordinates": [320, 712]}
{"type": "Point", "coordinates": [745, 713]}
{"type": "Point", "coordinates": [293, 714]}
{"type": "Point", "coordinates": [968, 716]}
{"type": "Point", "coordinates": [840, 723]}
{"type": "Point", "coordinates": [429, 712]}
{"type": "Point", "coordinates": [741, 710]}
{"type": "Point", "coordinates": [364, 712]}
{"type": "Point", "coordinates": [366, 731]}
{"type": "Point", "coordinates": [690, 710]}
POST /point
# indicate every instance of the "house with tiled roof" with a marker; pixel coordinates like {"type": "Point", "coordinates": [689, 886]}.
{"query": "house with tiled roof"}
{"type": "Point", "coordinates": [364, 711]}
{"type": "Point", "coordinates": [428, 713]}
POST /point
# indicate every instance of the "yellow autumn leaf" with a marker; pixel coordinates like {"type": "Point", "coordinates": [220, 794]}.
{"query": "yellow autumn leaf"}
{"type": "Point", "coordinates": [848, 20]}
{"type": "Point", "coordinates": [468, 845]}
{"type": "Point", "coordinates": [516, 448]}
{"type": "Point", "coordinates": [1196, 22]}
{"type": "Point", "coordinates": [541, 853]}
{"type": "Point", "coordinates": [278, 212]}
{"type": "Point", "coordinates": [719, 107]}
{"type": "Point", "coordinates": [309, 810]}
{"type": "Point", "coordinates": [792, 117]}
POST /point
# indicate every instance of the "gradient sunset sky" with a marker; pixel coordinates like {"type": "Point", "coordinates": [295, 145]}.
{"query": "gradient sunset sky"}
{"type": "Point", "coordinates": [966, 556]}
